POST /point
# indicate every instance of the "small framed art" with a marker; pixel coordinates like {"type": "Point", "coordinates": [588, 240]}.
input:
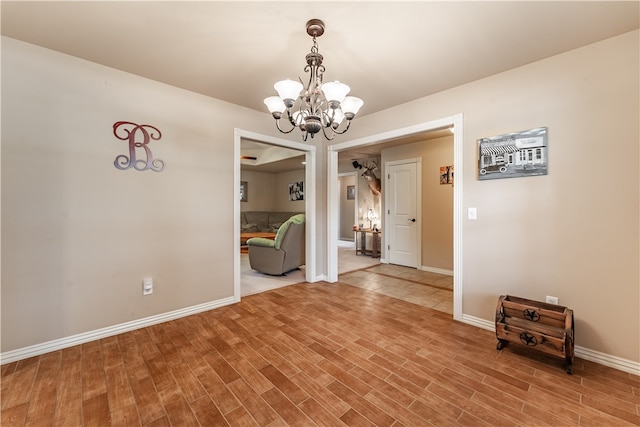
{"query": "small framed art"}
{"type": "Point", "coordinates": [243, 191]}
{"type": "Point", "coordinates": [351, 192]}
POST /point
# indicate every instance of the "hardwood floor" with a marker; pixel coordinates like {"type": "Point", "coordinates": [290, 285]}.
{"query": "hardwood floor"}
{"type": "Point", "coordinates": [312, 354]}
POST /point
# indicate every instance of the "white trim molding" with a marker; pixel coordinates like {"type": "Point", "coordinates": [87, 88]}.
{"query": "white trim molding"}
{"type": "Point", "coordinates": [59, 344]}
{"type": "Point", "coordinates": [614, 362]}
{"type": "Point", "coordinates": [608, 360]}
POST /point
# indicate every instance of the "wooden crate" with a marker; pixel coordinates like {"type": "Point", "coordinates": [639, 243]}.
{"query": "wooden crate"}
{"type": "Point", "coordinates": [538, 325]}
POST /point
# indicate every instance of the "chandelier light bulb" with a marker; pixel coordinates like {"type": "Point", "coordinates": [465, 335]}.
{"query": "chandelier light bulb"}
{"type": "Point", "coordinates": [338, 117]}
{"type": "Point", "coordinates": [298, 118]}
{"type": "Point", "coordinates": [288, 90]}
{"type": "Point", "coordinates": [335, 91]}
{"type": "Point", "coordinates": [351, 105]}
{"type": "Point", "coordinates": [274, 104]}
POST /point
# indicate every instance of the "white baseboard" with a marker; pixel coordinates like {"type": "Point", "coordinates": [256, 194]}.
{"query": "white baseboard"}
{"type": "Point", "coordinates": [581, 352]}
{"type": "Point", "coordinates": [320, 278]}
{"type": "Point", "coordinates": [59, 344]}
{"type": "Point", "coordinates": [478, 322]}
{"type": "Point", "coordinates": [437, 270]}
{"type": "Point", "coordinates": [608, 360]}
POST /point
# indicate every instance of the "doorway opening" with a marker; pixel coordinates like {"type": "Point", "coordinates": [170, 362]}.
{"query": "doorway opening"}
{"type": "Point", "coordinates": [309, 153]}
{"type": "Point", "coordinates": [351, 228]}
{"type": "Point", "coordinates": [455, 124]}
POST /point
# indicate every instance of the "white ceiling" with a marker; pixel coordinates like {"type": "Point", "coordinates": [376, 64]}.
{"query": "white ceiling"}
{"type": "Point", "coordinates": [270, 158]}
{"type": "Point", "coordinates": [388, 52]}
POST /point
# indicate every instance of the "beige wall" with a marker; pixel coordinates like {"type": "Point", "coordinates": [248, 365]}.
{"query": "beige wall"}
{"type": "Point", "coordinates": [347, 208]}
{"type": "Point", "coordinates": [574, 232]}
{"type": "Point", "coordinates": [270, 191]}
{"type": "Point", "coordinates": [78, 235]}
{"type": "Point", "coordinates": [437, 200]}
{"type": "Point", "coordinates": [261, 194]}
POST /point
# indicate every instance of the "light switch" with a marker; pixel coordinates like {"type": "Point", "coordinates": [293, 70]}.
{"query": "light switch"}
{"type": "Point", "coordinates": [473, 214]}
{"type": "Point", "coordinates": [147, 286]}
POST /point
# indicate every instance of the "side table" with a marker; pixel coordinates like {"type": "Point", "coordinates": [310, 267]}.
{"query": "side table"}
{"type": "Point", "coordinates": [374, 252]}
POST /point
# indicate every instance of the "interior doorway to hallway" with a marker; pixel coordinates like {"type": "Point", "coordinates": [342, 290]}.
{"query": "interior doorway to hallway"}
{"type": "Point", "coordinates": [280, 148]}
{"type": "Point", "coordinates": [398, 137]}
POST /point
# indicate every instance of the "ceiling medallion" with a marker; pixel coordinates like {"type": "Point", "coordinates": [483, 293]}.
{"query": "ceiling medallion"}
{"type": "Point", "coordinates": [318, 106]}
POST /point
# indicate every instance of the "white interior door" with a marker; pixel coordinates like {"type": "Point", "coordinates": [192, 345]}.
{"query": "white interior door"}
{"type": "Point", "coordinates": [402, 214]}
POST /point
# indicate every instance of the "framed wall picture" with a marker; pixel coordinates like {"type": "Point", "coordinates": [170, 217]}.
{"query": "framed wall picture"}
{"type": "Point", "coordinates": [513, 155]}
{"type": "Point", "coordinates": [296, 191]}
{"type": "Point", "coordinates": [243, 191]}
{"type": "Point", "coordinates": [446, 175]}
{"type": "Point", "coordinates": [351, 192]}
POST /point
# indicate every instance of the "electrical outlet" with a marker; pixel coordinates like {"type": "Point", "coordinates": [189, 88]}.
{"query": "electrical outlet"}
{"type": "Point", "coordinates": [552, 300]}
{"type": "Point", "coordinates": [147, 286]}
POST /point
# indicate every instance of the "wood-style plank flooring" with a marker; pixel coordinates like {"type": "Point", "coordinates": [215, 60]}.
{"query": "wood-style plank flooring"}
{"type": "Point", "coordinates": [312, 354]}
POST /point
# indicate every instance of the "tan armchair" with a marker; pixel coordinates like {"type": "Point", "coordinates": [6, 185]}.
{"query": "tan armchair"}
{"type": "Point", "coordinates": [284, 253]}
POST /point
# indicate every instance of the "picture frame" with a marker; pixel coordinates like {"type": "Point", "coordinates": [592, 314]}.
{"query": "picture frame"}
{"type": "Point", "coordinates": [446, 175]}
{"type": "Point", "coordinates": [513, 155]}
{"type": "Point", "coordinates": [351, 192]}
{"type": "Point", "coordinates": [296, 191]}
{"type": "Point", "coordinates": [243, 191]}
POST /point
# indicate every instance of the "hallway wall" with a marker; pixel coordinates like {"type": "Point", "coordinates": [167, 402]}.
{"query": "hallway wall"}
{"type": "Point", "coordinates": [347, 208]}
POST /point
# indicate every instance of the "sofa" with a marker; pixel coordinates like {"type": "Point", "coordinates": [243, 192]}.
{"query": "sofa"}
{"type": "Point", "coordinates": [263, 221]}
{"type": "Point", "coordinates": [284, 253]}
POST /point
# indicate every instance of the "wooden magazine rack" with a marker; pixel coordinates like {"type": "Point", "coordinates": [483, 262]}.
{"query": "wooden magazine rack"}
{"type": "Point", "coordinates": [538, 325]}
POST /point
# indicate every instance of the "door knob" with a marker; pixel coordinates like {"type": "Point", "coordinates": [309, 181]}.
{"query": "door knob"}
{"type": "Point", "coordinates": [412, 220]}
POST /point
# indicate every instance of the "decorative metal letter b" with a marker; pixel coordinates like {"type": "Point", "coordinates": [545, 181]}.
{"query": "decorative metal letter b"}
{"type": "Point", "coordinates": [127, 131]}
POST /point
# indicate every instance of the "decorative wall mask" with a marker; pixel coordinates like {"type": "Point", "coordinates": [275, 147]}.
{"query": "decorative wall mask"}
{"type": "Point", "coordinates": [139, 137]}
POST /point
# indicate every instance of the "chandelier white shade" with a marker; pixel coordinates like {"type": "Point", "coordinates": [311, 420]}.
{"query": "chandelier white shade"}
{"type": "Point", "coordinates": [318, 106]}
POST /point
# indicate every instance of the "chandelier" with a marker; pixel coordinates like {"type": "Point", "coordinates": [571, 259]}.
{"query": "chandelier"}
{"type": "Point", "coordinates": [318, 106]}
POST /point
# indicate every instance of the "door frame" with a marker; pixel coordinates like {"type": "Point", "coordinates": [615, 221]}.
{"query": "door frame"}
{"type": "Point", "coordinates": [309, 202]}
{"type": "Point", "coordinates": [456, 122]}
{"type": "Point", "coordinates": [387, 226]}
